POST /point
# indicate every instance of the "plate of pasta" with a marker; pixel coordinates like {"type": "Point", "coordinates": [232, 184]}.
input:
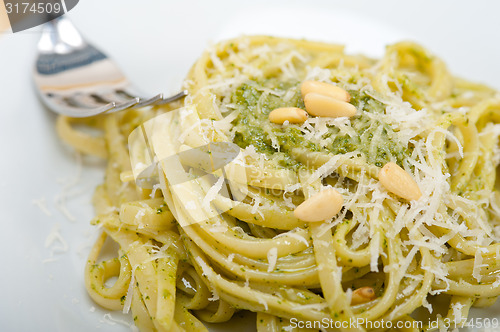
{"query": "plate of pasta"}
{"type": "Point", "coordinates": [337, 174]}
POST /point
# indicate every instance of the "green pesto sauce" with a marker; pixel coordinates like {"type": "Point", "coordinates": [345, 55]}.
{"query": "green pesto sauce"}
{"type": "Point", "coordinates": [255, 105]}
{"type": "Point", "coordinates": [388, 147]}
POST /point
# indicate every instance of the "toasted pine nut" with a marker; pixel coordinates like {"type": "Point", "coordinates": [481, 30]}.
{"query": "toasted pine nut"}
{"type": "Point", "coordinates": [321, 105]}
{"type": "Point", "coordinates": [326, 89]}
{"type": "Point", "coordinates": [399, 182]}
{"type": "Point", "coordinates": [290, 114]}
{"type": "Point", "coordinates": [321, 206]}
{"type": "Point", "coordinates": [362, 295]}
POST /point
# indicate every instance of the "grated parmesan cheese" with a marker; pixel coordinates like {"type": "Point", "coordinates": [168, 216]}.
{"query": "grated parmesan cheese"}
{"type": "Point", "coordinates": [53, 239]}
{"type": "Point", "coordinates": [69, 183]}
{"type": "Point", "coordinates": [261, 300]}
{"type": "Point", "coordinates": [293, 235]}
{"type": "Point", "coordinates": [207, 272]}
{"type": "Point", "coordinates": [478, 264]}
{"type": "Point", "coordinates": [41, 204]}
{"type": "Point", "coordinates": [374, 253]}
{"type": "Point", "coordinates": [272, 257]}
{"type": "Point", "coordinates": [110, 320]}
{"type": "Point", "coordinates": [212, 193]}
{"type": "Point", "coordinates": [315, 306]}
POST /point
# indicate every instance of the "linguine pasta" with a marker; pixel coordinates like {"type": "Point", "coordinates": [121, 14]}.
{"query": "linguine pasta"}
{"type": "Point", "coordinates": [200, 243]}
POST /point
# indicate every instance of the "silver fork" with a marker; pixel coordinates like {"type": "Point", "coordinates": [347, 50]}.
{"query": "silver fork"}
{"type": "Point", "coordinates": [74, 78]}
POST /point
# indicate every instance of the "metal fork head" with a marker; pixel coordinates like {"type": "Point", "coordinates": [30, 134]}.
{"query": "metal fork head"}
{"type": "Point", "coordinates": [75, 78]}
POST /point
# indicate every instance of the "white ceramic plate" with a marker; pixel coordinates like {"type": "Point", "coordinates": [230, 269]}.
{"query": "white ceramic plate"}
{"type": "Point", "coordinates": [155, 42]}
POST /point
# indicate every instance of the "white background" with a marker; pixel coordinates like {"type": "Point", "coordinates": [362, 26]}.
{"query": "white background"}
{"type": "Point", "coordinates": [155, 42]}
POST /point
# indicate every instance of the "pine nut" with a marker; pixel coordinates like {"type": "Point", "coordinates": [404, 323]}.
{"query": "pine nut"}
{"type": "Point", "coordinates": [397, 181]}
{"type": "Point", "coordinates": [325, 89]}
{"type": "Point", "coordinates": [321, 105]}
{"type": "Point", "coordinates": [321, 206]}
{"type": "Point", "coordinates": [362, 295]}
{"type": "Point", "coordinates": [290, 114]}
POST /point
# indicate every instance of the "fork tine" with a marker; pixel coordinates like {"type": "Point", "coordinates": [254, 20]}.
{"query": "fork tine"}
{"type": "Point", "coordinates": [122, 106]}
{"type": "Point", "coordinates": [160, 100]}
{"type": "Point", "coordinates": [150, 101]}
{"type": "Point", "coordinates": [79, 112]}
{"type": "Point", "coordinates": [181, 94]}
{"type": "Point", "coordinates": [96, 111]}
{"type": "Point", "coordinates": [107, 107]}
